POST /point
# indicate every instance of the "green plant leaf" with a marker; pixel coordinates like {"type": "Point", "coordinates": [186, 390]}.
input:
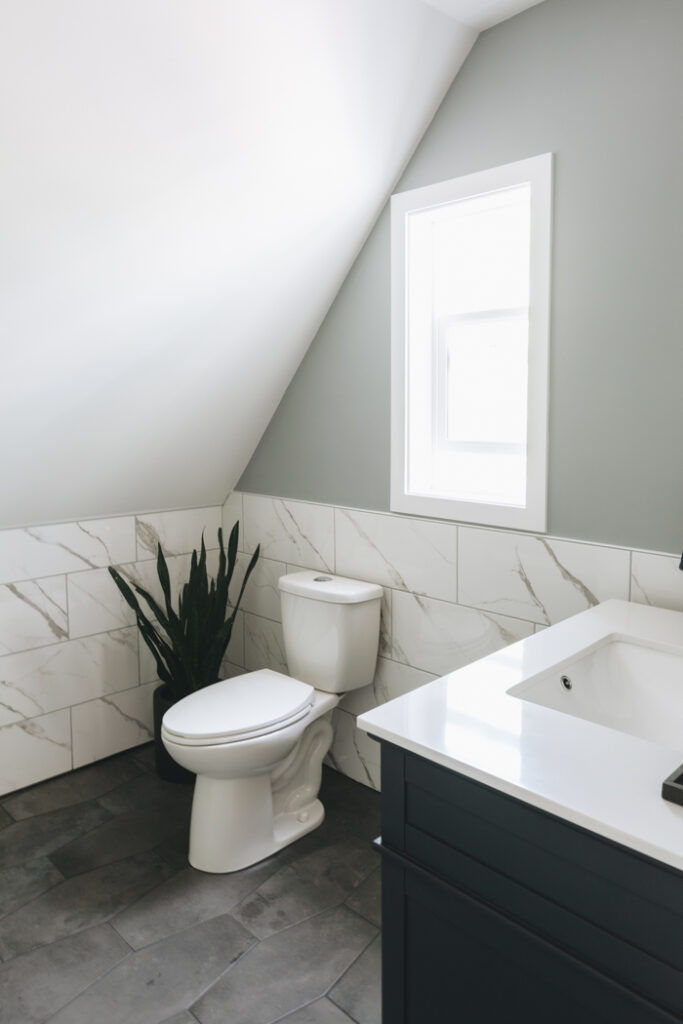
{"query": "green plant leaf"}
{"type": "Point", "coordinates": [188, 645]}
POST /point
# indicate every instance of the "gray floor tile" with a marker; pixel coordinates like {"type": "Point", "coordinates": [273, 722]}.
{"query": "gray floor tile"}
{"type": "Point", "coordinates": [287, 970]}
{"type": "Point", "coordinates": [186, 900]}
{"type": "Point", "coordinates": [80, 903]}
{"type": "Point", "coordinates": [144, 756]}
{"type": "Point", "coordinates": [366, 900]}
{"type": "Point", "coordinates": [36, 837]}
{"type": "Point", "coordinates": [306, 886]}
{"type": "Point", "coordinates": [4, 818]}
{"type": "Point", "coordinates": [160, 981]}
{"type": "Point", "coordinates": [24, 882]}
{"type": "Point", "coordinates": [36, 985]}
{"type": "Point", "coordinates": [147, 791]}
{"type": "Point", "coordinates": [117, 838]}
{"type": "Point", "coordinates": [182, 1018]}
{"type": "Point", "coordinates": [320, 1012]}
{"type": "Point", "coordinates": [174, 848]}
{"type": "Point", "coordinates": [74, 788]}
{"type": "Point", "coordinates": [359, 991]}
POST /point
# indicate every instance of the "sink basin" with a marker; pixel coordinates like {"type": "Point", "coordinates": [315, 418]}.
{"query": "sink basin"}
{"type": "Point", "coordinates": [621, 683]}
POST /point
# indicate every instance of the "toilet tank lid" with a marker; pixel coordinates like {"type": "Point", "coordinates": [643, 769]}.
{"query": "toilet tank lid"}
{"type": "Point", "coordinates": [323, 586]}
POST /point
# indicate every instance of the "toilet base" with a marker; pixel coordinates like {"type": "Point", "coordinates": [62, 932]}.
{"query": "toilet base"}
{"type": "Point", "coordinates": [233, 824]}
{"type": "Point", "coordinates": [239, 821]}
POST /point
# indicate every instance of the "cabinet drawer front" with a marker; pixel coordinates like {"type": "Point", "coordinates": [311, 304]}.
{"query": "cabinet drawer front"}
{"type": "Point", "coordinates": [629, 966]}
{"type": "Point", "coordinates": [467, 963]}
{"type": "Point", "coordinates": [623, 893]}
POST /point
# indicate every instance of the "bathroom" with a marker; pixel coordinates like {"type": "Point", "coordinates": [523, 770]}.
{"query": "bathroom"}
{"type": "Point", "coordinates": [149, 399]}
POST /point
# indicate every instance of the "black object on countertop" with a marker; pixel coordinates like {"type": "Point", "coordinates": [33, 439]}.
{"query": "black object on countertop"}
{"type": "Point", "coordinates": [672, 788]}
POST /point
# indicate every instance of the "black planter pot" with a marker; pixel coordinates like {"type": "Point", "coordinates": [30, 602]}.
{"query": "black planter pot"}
{"type": "Point", "coordinates": [167, 768]}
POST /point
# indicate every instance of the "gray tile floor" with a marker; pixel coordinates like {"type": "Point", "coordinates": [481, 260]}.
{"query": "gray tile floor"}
{"type": "Point", "coordinates": [102, 921]}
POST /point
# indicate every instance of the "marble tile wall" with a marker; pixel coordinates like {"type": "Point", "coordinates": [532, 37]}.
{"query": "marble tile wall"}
{"type": "Point", "coordinates": [75, 681]}
{"type": "Point", "coordinates": [452, 593]}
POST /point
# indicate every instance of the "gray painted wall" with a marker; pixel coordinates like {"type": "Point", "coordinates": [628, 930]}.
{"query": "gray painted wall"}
{"type": "Point", "coordinates": [599, 83]}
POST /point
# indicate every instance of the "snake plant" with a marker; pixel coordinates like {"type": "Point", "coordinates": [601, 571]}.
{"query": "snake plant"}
{"type": "Point", "coordinates": [189, 644]}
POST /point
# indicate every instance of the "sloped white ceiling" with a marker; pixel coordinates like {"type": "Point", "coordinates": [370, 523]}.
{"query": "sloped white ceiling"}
{"type": "Point", "coordinates": [482, 14]}
{"type": "Point", "coordinates": [183, 188]}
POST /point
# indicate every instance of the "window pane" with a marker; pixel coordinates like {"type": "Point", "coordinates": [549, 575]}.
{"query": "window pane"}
{"type": "Point", "coordinates": [470, 312]}
{"type": "Point", "coordinates": [486, 380]}
{"type": "Point", "coordinates": [481, 252]}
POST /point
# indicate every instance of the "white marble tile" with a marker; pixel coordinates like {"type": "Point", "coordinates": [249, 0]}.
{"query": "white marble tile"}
{"type": "Point", "coordinates": [385, 623]}
{"type": "Point", "coordinates": [38, 551]}
{"type": "Point", "coordinates": [229, 671]}
{"type": "Point", "coordinates": [147, 664]}
{"type": "Point", "coordinates": [353, 753]}
{"type": "Point", "coordinates": [95, 604]}
{"type": "Point", "coordinates": [439, 637]}
{"type": "Point", "coordinates": [33, 613]}
{"type": "Point", "coordinates": [264, 646]}
{"type": "Point", "coordinates": [110, 724]}
{"type": "Point", "coordinates": [656, 580]}
{"type": "Point", "coordinates": [537, 578]}
{"type": "Point", "coordinates": [48, 678]}
{"type": "Point", "coordinates": [261, 595]}
{"type": "Point", "coordinates": [179, 532]}
{"type": "Point", "coordinates": [397, 551]}
{"type": "Point", "coordinates": [235, 649]}
{"type": "Point", "coordinates": [231, 513]}
{"type": "Point", "coordinates": [392, 679]}
{"type": "Point", "coordinates": [34, 749]}
{"type": "Point", "coordinates": [290, 531]}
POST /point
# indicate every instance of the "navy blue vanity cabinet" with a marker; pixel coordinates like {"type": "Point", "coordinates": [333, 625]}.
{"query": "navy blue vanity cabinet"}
{"type": "Point", "coordinates": [494, 911]}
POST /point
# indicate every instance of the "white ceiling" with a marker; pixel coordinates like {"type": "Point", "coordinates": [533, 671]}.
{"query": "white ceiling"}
{"type": "Point", "coordinates": [481, 14]}
{"type": "Point", "coordinates": [183, 187]}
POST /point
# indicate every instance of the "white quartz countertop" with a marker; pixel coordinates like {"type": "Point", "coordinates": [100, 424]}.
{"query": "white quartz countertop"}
{"type": "Point", "coordinates": [603, 780]}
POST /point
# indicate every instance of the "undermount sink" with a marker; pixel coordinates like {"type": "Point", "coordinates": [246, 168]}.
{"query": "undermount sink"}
{"type": "Point", "coordinates": [621, 683]}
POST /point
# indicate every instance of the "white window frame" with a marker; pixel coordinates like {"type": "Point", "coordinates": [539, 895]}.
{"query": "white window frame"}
{"type": "Point", "coordinates": [537, 171]}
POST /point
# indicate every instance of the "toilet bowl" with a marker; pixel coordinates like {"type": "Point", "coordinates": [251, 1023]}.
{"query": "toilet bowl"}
{"type": "Point", "coordinates": [256, 742]}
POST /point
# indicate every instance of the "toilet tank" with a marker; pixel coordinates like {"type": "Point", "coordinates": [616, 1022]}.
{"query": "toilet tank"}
{"type": "Point", "coordinates": [331, 629]}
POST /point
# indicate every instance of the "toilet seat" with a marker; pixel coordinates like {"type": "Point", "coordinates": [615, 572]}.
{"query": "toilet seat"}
{"type": "Point", "coordinates": [243, 708]}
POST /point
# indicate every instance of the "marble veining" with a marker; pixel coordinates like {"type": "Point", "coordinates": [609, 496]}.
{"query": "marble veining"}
{"type": "Point", "coordinates": [264, 645]}
{"type": "Point", "coordinates": [178, 532]}
{"type": "Point", "coordinates": [438, 637]}
{"type": "Point", "coordinates": [353, 753]}
{"type": "Point", "coordinates": [402, 553]}
{"type": "Point", "coordinates": [109, 724]}
{"type": "Point", "coordinates": [451, 592]}
{"type": "Point", "coordinates": [536, 578]}
{"type": "Point", "coordinates": [290, 531]}
{"type": "Point", "coordinates": [57, 676]}
{"type": "Point", "coordinates": [95, 604]}
{"type": "Point", "coordinates": [38, 551]}
{"type": "Point", "coordinates": [261, 595]}
{"type": "Point", "coordinates": [32, 613]}
{"type": "Point", "coordinates": [656, 580]}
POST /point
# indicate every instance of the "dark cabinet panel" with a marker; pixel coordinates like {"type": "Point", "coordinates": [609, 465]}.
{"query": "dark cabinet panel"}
{"type": "Point", "coordinates": [495, 911]}
{"type": "Point", "coordinates": [467, 964]}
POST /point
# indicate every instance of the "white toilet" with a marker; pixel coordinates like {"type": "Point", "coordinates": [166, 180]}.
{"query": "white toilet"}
{"type": "Point", "coordinates": [257, 741]}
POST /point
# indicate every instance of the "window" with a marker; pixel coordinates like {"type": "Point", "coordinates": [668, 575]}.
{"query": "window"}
{"type": "Point", "coordinates": [470, 301]}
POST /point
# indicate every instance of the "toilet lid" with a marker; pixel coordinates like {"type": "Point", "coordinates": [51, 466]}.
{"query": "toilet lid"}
{"type": "Point", "coordinates": [254, 703]}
